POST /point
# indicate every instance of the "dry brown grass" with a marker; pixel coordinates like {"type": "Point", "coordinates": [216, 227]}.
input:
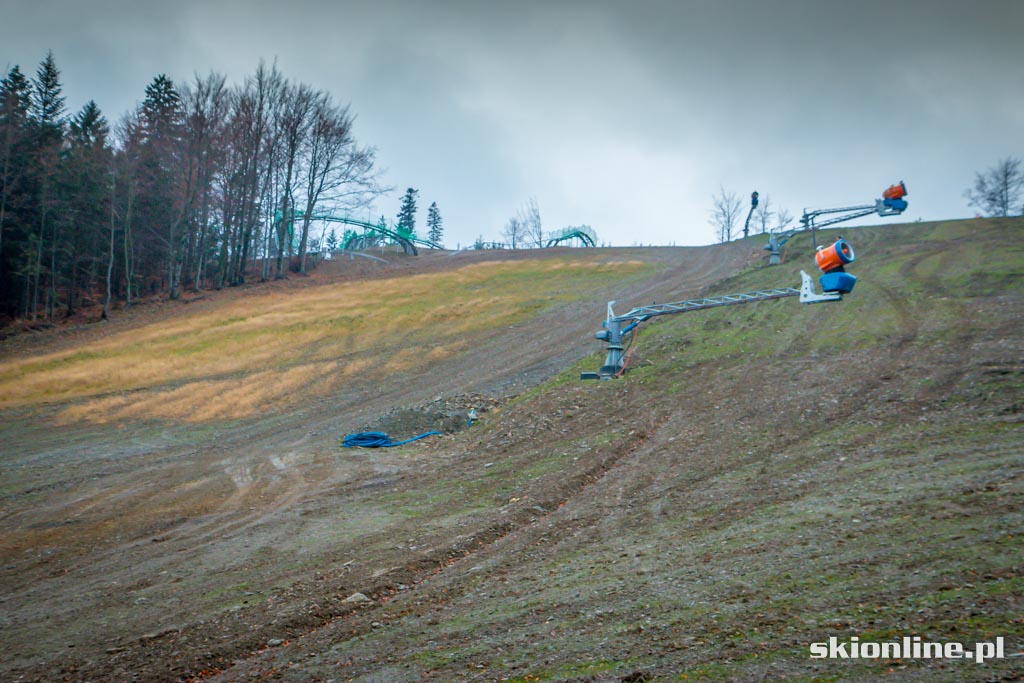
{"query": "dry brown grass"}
{"type": "Point", "coordinates": [253, 353]}
{"type": "Point", "coordinates": [208, 399]}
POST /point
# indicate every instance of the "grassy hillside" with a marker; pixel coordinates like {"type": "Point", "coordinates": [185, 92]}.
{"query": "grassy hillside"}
{"type": "Point", "coordinates": [764, 477]}
{"type": "Point", "coordinates": [268, 349]}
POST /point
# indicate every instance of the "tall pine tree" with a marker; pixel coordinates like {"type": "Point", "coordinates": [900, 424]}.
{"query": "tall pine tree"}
{"type": "Point", "coordinates": [161, 204]}
{"type": "Point", "coordinates": [87, 175]}
{"type": "Point", "coordinates": [407, 214]}
{"type": "Point", "coordinates": [15, 197]}
{"type": "Point", "coordinates": [47, 119]}
{"type": "Point", "coordinates": [436, 232]}
{"type": "Point", "coordinates": [47, 108]}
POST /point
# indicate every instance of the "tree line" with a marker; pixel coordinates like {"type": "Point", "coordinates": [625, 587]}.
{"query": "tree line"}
{"type": "Point", "coordinates": [202, 185]}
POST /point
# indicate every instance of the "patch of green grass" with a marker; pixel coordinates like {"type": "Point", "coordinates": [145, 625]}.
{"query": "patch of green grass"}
{"type": "Point", "coordinates": [915, 292]}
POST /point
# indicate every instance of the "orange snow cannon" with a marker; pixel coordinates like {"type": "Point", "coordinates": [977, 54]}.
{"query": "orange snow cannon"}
{"type": "Point", "coordinates": [835, 257]}
{"type": "Point", "coordinates": [831, 261]}
{"type": "Point", "coordinates": [897, 191]}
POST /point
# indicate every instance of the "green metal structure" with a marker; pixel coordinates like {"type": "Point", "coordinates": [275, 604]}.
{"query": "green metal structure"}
{"type": "Point", "coordinates": [408, 244]}
{"type": "Point", "coordinates": [584, 233]}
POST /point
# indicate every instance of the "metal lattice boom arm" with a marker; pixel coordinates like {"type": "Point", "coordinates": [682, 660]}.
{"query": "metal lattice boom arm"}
{"type": "Point", "coordinates": [645, 312]}
{"type": "Point", "coordinates": [616, 327]}
{"type": "Point", "coordinates": [857, 213]}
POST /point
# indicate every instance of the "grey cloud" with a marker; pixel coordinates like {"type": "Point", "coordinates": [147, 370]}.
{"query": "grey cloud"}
{"type": "Point", "coordinates": [625, 115]}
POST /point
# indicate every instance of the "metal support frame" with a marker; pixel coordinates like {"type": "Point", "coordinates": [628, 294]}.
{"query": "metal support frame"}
{"type": "Point", "coordinates": [879, 207]}
{"type": "Point", "coordinates": [408, 244]}
{"type": "Point", "coordinates": [776, 240]}
{"type": "Point", "coordinates": [617, 326]}
{"type": "Point", "coordinates": [584, 233]}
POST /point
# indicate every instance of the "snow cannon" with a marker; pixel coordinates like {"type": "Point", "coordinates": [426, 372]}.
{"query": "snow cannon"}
{"type": "Point", "coordinates": [835, 257]}
{"type": "Point", "coordinates": [831, 260]}
{"type": "Point", "coordinates": [897, 191]}
{"type": "Point", "coordinates": [892, 203]}
{"type": "Point", "coordinates": [893, 198]}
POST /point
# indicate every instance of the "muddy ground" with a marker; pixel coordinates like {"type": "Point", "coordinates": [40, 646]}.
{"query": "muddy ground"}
{"type": "Point", "coordinates": [765, 477]}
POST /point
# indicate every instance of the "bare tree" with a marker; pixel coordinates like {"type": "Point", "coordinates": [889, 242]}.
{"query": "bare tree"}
{"type": "Point", "coordinates": [513, 232]}
{"type": "Point", "coordinates": [529, 217]}
{"type": "Point", "coordinates": [338, 172]}
{"type": "Point", "coordinates": [252, 181]}
{"type": "Point", "coordinates": [996, 192]}
{"type": "Point", "coordinates": [110, 254]}
{"type": "Point", "coordinates": [243, 188]}
{"type": "Point", "coordinates": [782, 219]}
{"type": "Point", "coordinates": [292, 119]}
{"type": "Point", "coordinates": [763, 214]}
{"type": "Point", "coordinates": [126, 139]}
{"type": "Point", "coordinates": [329, 136]}
{"type": "Point", "coordinates": [206, 105]}
{"type": "Point", "coordinates": [725, 212]}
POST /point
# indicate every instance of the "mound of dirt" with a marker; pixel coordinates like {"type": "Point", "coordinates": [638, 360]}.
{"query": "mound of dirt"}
{"type": "Point", "coordinates": [446, 415]}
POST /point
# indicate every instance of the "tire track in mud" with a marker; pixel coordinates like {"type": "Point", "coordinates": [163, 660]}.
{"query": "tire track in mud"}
{"type": "Point", "coordinates": [320, 611]}
{"type": "Point", "coordinates": [681, 271]}
{"type": "Point", "coordinates": [524, 520]}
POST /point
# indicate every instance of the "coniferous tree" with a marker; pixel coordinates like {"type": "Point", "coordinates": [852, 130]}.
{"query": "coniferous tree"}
{"type": "Point", "coordinates": [436, 232]}
{"type": "Point", "coordinates": [161, 111]}
{"type": "Point", "coordinates": [185, 187]}
{"type": "Point", "coordinates": [47, 102]}
{"type": "Point", "coordinates": [407, 214]}
{"type": "Point", "coordinates": [15, 199]}
{"type": "Point", "coordinates": [86, 173]}
{"type": "Point", "coordinates": [347, 238]}
{"type": "Point", "coordinates": [46, 116]}
{"type": "Point", "coordinates": [162, 201]}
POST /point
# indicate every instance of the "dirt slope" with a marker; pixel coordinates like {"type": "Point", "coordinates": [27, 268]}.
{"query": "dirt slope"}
{"type": "Point", "coordinates": [765, 477]}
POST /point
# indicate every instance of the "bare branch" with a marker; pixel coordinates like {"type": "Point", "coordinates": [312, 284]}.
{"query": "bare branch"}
{"type": "Point", "coordinates": [725, 212]}
{"type": "Point", "coordinates": [997, 191]}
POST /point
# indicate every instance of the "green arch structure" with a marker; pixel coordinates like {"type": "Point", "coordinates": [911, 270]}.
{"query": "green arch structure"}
{"type": "Point", "coordinates": [584, 233]}
{"type": "Point", "coordinates": [408, 244]}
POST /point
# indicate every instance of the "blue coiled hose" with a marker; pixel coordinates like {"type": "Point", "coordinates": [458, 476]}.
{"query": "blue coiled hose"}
{"type": "Point", "coordinates": [377, 440]}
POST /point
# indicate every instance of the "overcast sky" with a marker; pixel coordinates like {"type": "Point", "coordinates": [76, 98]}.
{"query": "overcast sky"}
{"type": "Point", "coordinates": [626, 116]}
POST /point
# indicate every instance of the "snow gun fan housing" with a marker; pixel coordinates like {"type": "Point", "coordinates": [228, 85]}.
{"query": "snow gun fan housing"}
{"type": "Point", "coordinates": [893, 198]}
{"type": "Point", "coordinates": [831, 260]}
